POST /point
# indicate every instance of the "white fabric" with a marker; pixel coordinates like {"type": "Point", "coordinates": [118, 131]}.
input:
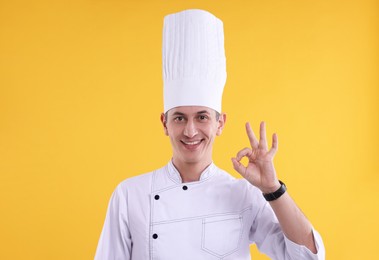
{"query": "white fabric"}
{"type": "Point", "coordinates": [217, 217]}
{"type": "Point", "coordinates": [193, 57]}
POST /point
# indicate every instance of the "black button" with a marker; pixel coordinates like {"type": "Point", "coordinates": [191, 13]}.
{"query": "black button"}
{"type": "Point", "coordinates": [156, 197]}
{"type": "Point", "coordinates": [155, 236]}
{"type": "Point", "coordinates": [185, 188]}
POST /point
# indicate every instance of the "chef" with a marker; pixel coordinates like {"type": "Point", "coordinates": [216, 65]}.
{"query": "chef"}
{"type": "Point", "coordinates": [190, 209]}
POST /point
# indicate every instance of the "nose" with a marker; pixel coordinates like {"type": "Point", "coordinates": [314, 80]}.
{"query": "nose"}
{"type": "Point", "coordinates": [190, 129]}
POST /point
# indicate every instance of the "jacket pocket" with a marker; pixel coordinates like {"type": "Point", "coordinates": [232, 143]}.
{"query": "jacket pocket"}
{"type": "Point", "coordinates": [221, 235]}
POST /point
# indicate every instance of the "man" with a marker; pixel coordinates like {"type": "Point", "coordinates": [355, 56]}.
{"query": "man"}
{"type": "Point", "coordinates": [191, 209]}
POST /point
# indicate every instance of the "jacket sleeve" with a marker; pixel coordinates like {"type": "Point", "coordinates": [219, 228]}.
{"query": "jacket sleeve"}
{"type": "Point", "coordinates": [267, 234]}
{"type": "Point", "coordinates": [115, 241]}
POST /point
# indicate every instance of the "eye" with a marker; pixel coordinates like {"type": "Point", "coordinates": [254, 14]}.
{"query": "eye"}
{"type": "Point", "coordinates": [203, 117]}
{"type": "Point", "coordinates": [179, 119]}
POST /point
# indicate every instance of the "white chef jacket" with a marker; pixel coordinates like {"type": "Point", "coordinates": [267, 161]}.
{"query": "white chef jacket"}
{"type": "Point", "coordinates": [155, 216]}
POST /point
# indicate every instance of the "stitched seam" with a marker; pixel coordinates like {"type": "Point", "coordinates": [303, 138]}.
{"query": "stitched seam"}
{"type": "Point", "coordinates": [238, 216]}
{"type": "Point", "coordinates": [169, 175]}
{"type": "Point", "coordinates": [201, 217]}
{"type": "Point", "coordinates": [181, 184]}
{"type": "Point", "coordinates": [212, 171]}
{"type": "Point", "coordinates": [228, 253]}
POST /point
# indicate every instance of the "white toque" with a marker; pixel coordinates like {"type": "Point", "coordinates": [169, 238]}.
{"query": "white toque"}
{"type": "Point", "coordinates": [193, 57]}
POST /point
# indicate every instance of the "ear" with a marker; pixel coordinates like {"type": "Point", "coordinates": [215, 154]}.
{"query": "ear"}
{"type": "Point", "coordinates": [164, 122]}
{"type": "Point", "coordinates": [221, 123]}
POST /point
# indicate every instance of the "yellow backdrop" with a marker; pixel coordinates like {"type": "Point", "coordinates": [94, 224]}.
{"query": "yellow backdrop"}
{"type": "Point", "coordinates": [81, 96]}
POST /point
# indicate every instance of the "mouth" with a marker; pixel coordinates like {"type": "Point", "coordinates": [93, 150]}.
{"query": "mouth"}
{"type": "Point", "coordinates": [192, 145]}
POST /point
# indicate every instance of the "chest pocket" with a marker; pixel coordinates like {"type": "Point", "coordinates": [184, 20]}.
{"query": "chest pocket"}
{"type": "Point", "coordinates": [221, 235]}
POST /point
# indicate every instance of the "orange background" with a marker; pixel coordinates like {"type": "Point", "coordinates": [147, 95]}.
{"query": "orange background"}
{"type": "Point", "coordinates": [81, 97]}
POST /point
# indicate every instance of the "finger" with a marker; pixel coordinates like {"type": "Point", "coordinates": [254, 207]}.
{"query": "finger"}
{"type": "Point", "coordinates": [274, 147]}
{"type": "Point", "coordinates": [244, 152]}
{"type": "Point", "coordinates": [262, 140]}
{"type": "Point", "coordinates": [239, 167]}
{"type": "Point", "coordinates": [253, 140]}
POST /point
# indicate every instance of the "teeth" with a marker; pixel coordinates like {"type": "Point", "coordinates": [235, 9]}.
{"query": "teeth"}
{"type": "Point", "coordinates": [192, 143]}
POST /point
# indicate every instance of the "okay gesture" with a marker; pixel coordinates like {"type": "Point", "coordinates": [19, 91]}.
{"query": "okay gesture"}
{"type": "Point", "coordinates": [260, 170]}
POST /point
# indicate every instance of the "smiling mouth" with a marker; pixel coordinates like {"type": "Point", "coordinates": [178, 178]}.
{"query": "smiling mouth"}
{"type": "Point", "coordinates": [192, 145]}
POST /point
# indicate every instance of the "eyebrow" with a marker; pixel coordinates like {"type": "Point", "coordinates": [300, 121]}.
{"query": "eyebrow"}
{"type": "Point", "coordinates": [177, 113]}
{"type": "Point", "coordinates": [203, 112]}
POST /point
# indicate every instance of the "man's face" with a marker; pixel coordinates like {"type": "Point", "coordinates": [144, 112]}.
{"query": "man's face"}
{"type": "Point", "coordinates": [192, 130]}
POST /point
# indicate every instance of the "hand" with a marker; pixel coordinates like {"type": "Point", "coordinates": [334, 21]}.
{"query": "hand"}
{"type": "Point", "coordinates": [260, 170]}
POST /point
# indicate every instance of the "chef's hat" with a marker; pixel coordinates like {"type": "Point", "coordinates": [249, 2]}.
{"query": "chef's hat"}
{"type": "Point", "coordinates": [194, 64]}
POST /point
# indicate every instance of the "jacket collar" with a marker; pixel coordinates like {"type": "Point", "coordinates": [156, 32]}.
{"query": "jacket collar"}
{"type": "Point", "coordinates": [174, 174]}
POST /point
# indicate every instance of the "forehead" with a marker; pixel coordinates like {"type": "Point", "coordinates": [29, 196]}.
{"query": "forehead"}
{"type": "Point", "coordinates": [190, 110]}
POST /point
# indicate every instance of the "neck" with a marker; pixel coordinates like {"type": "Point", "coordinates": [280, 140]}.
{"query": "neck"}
{"type": "Point", "coordinates": [190, 171]}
